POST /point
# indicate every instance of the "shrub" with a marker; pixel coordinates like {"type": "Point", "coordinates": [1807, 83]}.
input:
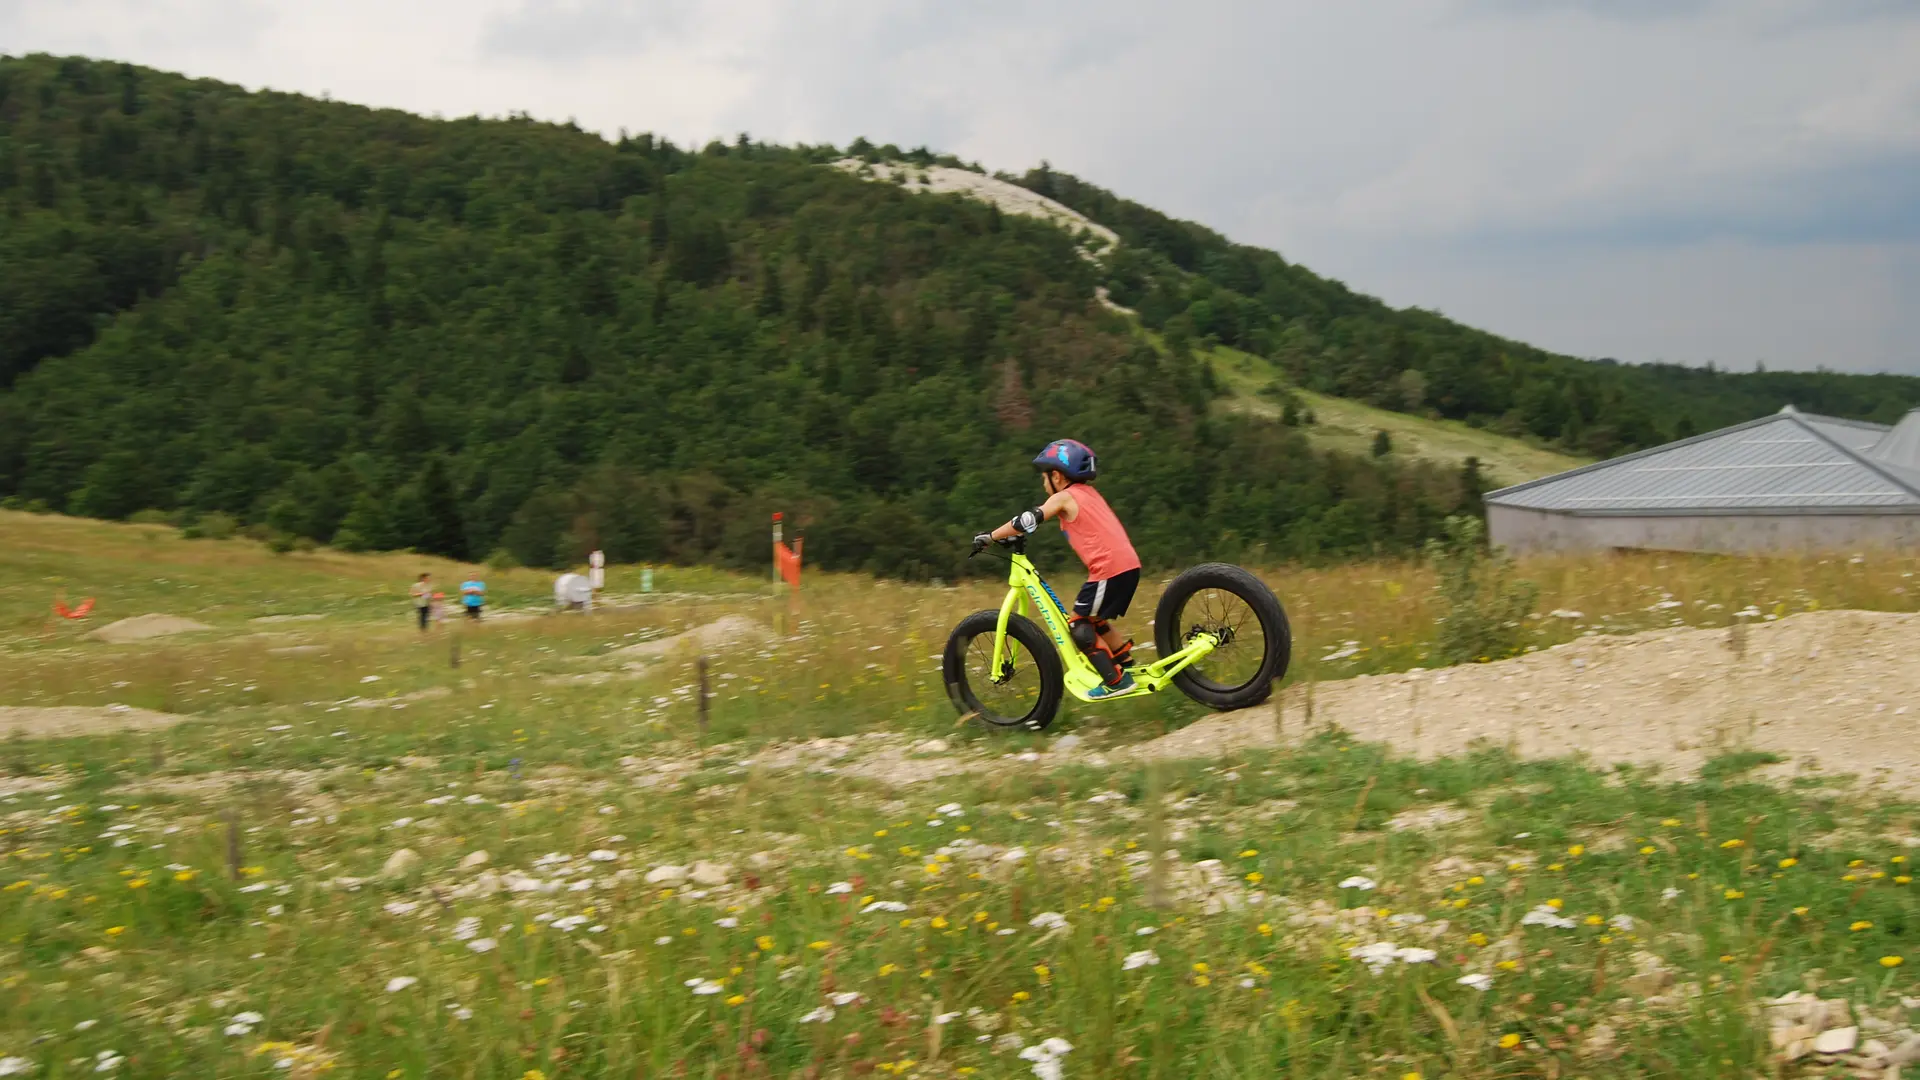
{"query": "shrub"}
{"type": "Point", "coordinates": [150, 517]}
{"type": "Point", "coordinates": [1485, 604]}
{"type": "Point", "coordinates": [502, 560]}
{"type": "Point", "coordinates": [213, 526]}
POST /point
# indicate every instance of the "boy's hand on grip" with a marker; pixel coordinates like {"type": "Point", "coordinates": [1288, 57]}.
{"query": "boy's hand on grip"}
{"type": "Point", "coordinates": [980, 542]}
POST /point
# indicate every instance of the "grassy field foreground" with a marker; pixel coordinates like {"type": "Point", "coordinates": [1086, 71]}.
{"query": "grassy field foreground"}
{"type": "Point", "coordinates": [354, 857]}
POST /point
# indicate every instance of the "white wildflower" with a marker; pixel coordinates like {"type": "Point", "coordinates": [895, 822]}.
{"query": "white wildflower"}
{"type": "Point", "coordinates": [461, 1012]}
{"type": "Point", "coordinates": [1622, 923]}
{"type": "Point", "coordinates": [1014, 854]}
{"type": "Point", "coordinates": [846, 998]}
{"type": "Point", "coordinates": [1380, 954]}
{"type": "Point", "coordinates": [402, 907]}
{"type": "Point", "coordinates": [1364, 884]}
{"type": "Point", "coordinates": [481, 945]}
{"type": "Point", "coordinates": [1669, 893]}
{"type": "Point", "coordinates": [399, 983]}
{"type": "Point", "coordinates": [1406, 918]}
{"type": "Point", "coordinates": [567, 924]}
{"type": "Point", "coordinates": [1477, 981]}
{"type": "Point", "coordinates": [1141, 958]}
{"type": "Point", "coordinates": [839, 887]}
{"type": "Point", "coordinates": [704, 987]}
{"type": "Point", "coordinates": [107, 1061]}
{"type": "Point", "coordinates": [1046, 1056]}
{"type": "Point", "coordinates": [1415, 955]}
{"type": "Point", "coordinates": [248, 1018]}
{"type": "Point", "coordinates": [727, 923]}
{"type": "Point", "coordinates": [84, 1025]}
{"type": "Point", "coordinates": [1050, 920]}
{"type": "Point", "coordinates": [466, 929]}
{"type": "Point", "coordinates": [945, 1017]}
{"type": "Point", "coordinates": [663, 939]}
{"type": "Point", "coordinates": [15, 1066]}
{"type": "Point", "coordinates": [1547, 915]}
{"type": "Point", "coordinates": [602, 855]}
{"type": "Point", "coordinates": [1146, 930]}
{"type": "Point", "coordinates": [884, 905]}
{"type": "Point", "coordinates": [952, 809]}
{"type": "Point", "coordinates": [818, 1016]}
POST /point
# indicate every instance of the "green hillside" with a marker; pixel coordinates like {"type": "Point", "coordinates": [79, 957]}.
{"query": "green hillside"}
{"type": "Point", "coordinates": [370, 329]}
{"type": "Point", "coordinates": [1255, 385]}
{"type": "Point", "coordinates": [1191, 283]}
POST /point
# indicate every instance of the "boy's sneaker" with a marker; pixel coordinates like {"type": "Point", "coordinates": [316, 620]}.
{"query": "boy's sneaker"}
{"type": "Point", "coordinates": [1125, 685]}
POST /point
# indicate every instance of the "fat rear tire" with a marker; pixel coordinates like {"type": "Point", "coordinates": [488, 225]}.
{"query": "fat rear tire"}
{"type": "Point", "coordinates": [1036, 655]}
{"type": "Point", "coordinates": [1173, 623]}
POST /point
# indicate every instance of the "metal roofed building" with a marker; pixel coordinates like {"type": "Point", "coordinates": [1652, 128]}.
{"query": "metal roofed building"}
{"type": "Point", "coordinates": [1790, 481]}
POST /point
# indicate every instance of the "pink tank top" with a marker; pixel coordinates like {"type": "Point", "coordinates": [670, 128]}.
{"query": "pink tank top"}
{"type": "Point", "coordinates": [1097, 537]}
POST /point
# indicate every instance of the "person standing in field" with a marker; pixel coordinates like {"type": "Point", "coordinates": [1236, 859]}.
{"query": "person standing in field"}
{"type": "Point", "coordinates": [422, 591]}
{"type": "Point", "coordinates": [473, 594]}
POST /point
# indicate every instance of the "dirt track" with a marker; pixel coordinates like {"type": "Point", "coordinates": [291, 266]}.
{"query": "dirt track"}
{"type": "Point", "coordinates": [1832, 691]}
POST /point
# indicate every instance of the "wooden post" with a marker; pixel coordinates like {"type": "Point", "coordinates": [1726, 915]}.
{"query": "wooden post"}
{"type": "Point", "coordinates": [453, 649]}
{"type": "Point", "coordinates": [700, 665]}
{"type": "Point", "coordinates": [1156, 837]}
{"type": "Point", "coordinates": [777, 530]}
{"type": "Point", "coordinates": [233, 844]}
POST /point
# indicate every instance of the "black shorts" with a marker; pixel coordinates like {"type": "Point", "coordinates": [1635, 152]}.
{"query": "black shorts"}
{"type": "Point", "coordinates": [1107, 599]}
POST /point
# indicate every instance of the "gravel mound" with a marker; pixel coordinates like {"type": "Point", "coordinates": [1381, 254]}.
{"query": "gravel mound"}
{"type": "Point", "coordinates": [1829, 691]}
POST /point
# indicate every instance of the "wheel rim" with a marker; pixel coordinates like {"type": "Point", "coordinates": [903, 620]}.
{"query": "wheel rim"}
{"type": "Point", "coordinates": [1014, 697]}
{"type": "Point", "coordinates": [1240, 659]}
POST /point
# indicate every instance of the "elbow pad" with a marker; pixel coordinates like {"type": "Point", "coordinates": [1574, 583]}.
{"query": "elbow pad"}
{"type": "Point", "coordinates": [1027, 522]}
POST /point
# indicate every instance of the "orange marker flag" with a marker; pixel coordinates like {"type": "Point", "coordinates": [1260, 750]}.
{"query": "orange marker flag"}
{"type": "Point", "coordinates": [789, 561]}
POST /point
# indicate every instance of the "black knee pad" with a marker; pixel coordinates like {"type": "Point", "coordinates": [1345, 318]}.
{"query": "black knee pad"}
{"type": "Point", "coordinates": [1084, 634]}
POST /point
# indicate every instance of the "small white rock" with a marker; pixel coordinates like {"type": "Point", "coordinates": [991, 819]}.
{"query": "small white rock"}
{"type": "Point", "coordinates": [1067, 742]}
{"type": "Point", "coordinates": [1836, 1041]}
{"type": "Point", "coordinates": [475, 860]}
{"type": "Point", "coordinates": [667, 875]}
{"type": "Point", "coordinates": [711, 873]}
{"type": "Point", "coordinates": [400, 863]}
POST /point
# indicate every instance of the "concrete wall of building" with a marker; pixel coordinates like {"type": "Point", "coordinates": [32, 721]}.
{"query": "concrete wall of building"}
{"type": "Point", "coordinates": [1520, 530]}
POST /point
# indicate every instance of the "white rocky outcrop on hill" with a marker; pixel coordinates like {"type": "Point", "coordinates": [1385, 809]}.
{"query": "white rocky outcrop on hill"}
{"type": "Point", "coordinates": [1009, 197]}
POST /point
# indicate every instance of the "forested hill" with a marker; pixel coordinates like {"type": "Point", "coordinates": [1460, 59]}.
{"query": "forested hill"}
{"type": "Point", "coordinates": [377, 330]}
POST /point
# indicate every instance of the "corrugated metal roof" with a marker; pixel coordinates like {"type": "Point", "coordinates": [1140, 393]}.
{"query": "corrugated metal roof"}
{"type": "Point", "coordinates": [1852, 434]}
{"type": "Point", "coordinates": [1900, 446]}
{"type": "Point", "coordinates": [1788, 462]}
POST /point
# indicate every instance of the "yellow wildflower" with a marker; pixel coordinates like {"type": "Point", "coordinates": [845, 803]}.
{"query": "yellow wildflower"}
{"type": "Point", "coordinates": [1509, 1041]}
{"type": "Point", "coordinates": [1892, 961]}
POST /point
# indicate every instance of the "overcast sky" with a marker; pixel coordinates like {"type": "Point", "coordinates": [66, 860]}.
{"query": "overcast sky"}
{"type": "Point", "coordinates": [1689, 180]}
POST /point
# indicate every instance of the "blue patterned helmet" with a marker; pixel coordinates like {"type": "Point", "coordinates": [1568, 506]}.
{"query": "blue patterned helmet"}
{"type": "Point", "coordinates": [1069, 456]}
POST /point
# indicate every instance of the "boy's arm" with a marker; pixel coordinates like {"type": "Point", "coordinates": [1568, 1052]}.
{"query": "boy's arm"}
{"type": "Point", "coordinates": [1027, 521]}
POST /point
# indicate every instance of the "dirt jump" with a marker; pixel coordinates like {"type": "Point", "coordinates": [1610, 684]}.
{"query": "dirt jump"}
{"type": "Point", "coordinates": [1833, 692]}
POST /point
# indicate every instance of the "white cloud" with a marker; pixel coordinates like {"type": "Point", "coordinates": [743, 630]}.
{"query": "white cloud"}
{"type": "Point", "coordinates": [1525, 165]}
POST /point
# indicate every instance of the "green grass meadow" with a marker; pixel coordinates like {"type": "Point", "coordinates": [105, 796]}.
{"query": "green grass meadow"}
{"type": "Point", "coordinates": [221, 897]}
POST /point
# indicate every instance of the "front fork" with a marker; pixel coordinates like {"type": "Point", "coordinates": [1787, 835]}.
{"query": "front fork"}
{"type": "Point", "coordinates": [1002, 646]}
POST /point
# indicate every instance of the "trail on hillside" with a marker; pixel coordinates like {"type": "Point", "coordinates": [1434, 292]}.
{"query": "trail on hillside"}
{"type": "Point", "coordinates": [1829, 691]}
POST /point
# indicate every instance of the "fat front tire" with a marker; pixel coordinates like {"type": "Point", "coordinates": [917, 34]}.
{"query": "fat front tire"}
{"type": "Point", "coordinates": [1030, 683]}
{"type": "Point", "coordinates": [1227, 600]}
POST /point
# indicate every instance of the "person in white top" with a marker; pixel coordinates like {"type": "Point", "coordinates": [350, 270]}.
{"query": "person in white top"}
{"type": "Point", "coordinates": [422, 591]}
